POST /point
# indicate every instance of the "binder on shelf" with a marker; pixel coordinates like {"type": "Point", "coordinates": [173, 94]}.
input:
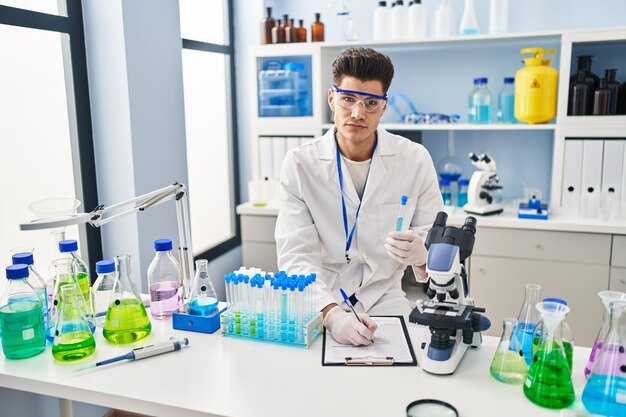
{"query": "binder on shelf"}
{"type": "Point", "coordinates": [293, 142]}
{"type": "Point", "coordinates": [572, 162]}
{"type": "Point", "coordinates": [265, 157]}
{"type": "Point", "coordinates": [279, 149]}
{"type": "Point", "coordinates": [612, 168]}
{"type": "Point", "coordinates": [591, 179]}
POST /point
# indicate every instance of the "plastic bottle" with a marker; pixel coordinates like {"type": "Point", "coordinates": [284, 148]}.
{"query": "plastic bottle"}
{"type": "Point", "coordinates": [317, 29]}
{"type": "Point", "coordinates": [462, 192]}
{"type": "Point", "coordinates": [267, 23]}
{"type": "Point", "coordinates": [164, 280]}
{"type": "Point", "coordinates": [613, 87]}
{"type": "Point", "coordinates": [469, 24]}
{"type": "Point", "coordinates": [70, 249]}
{"type": "Point", "coordinates": [601, 99]}
{"type": "Point", "coordinates": [446, 194]}
{"type": "Point", "coordinates": [506, 102]}
{"type": "Point", "coordinates": [579, 93]}
{"type": "Point", "coordinates": [21, 316]}
{"type": "Point", "coordinates": [399, 21]}
{"type": "Point", "coordinates": [480, 102]}
{"type": "Point", "coordinates": [498, 16]}
{"type": "Point", "coordinates": [102, 289]}
{"type": "Point", "coordinates": [443, 20]}
{"type": "Point", "coordinates": [417, 20]}
{"type": "Point", "coordinates": [278, 32]}
{"type": "Point", "coordinates": [382, 21]}
{"type": "Point", "coordinates": [34, 279]}
{"type": "Point", "coordinates": [301, 31]}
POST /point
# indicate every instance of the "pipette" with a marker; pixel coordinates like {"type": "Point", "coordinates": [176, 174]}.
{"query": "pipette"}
{"type": "Point", "coordinates": [144, 352]}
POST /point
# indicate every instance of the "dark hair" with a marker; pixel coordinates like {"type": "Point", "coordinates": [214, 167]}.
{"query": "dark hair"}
{"type": "Point", "coordinates": [364, 64]}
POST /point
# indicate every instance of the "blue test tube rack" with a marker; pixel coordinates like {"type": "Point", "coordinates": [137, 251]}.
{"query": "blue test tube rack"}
{"type": "Point", "coordinates": [274, 308]}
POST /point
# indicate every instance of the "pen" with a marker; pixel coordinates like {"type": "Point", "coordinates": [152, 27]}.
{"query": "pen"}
{"type": "Point", "coordinates": [143, 352]}
{"type": "Point", "coordinates": [349, 304]}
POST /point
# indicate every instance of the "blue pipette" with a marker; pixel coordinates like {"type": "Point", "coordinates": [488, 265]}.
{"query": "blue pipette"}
{"type": "Point", "coordinates": [143, 352]}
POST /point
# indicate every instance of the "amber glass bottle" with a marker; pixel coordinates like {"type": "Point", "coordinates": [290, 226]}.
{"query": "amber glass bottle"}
{"type": "Point", "coordinates": [291, 32]}
{"type": "Point", "coordinates": [266, 27]}
{"type": "Point", "coordinates": [278, 33]}
{"type": "Point", "coordinates": [301, 32]}
{"type": "Point", "coordinates": [317, 30]}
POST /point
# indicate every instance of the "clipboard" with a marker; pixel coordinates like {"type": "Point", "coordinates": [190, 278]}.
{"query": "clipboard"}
{"type": "Point", "coordinates": [392, 347]}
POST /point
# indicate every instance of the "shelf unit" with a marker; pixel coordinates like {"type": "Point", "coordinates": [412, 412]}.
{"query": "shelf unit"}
{"type": "Point", "coordinates": [489, 46]}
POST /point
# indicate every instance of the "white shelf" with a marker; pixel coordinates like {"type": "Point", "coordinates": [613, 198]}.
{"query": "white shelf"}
{"type": "Point", "coordinates": [458, 126]}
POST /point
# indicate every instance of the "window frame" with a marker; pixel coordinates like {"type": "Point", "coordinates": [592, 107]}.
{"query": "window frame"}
{"type": "Point", "coordinates": [79, 108]}
{"type": "Point", "coordinates": [233, 142]}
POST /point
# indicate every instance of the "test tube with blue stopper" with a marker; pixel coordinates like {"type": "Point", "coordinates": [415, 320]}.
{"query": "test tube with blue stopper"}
{"type": "Point", "coordinates": [402, 213]}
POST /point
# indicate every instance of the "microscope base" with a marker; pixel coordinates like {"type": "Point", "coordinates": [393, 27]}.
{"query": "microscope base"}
{"type": "Point", "coordinates": [446, 367]}
{"type": "Point", "coordinates": [483, 210]}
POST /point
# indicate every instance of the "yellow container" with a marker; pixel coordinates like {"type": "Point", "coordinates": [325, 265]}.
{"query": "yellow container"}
{"type": "Point", "coordinates": [535, 87]}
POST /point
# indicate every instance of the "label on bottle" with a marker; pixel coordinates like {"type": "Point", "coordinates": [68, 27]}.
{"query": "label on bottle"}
{"type": "Point", "coordinates": [620, 397]}
{"type": "Point", "coordinates": [28, 334]}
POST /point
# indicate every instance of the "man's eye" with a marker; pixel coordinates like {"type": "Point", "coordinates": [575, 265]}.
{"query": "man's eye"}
{"type": "Point", "coordinates": [348, 99]}
{"type": "Point", "coordinates": [372, 103]}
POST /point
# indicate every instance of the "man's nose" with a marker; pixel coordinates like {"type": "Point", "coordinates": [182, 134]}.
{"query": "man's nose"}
{"type": "Point", "coordinates": [358, 111]}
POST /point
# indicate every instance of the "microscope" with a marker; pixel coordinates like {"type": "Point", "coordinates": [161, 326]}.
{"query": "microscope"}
{"type": "Point", "coordinates": [454, 323]}
{"type": "Point", "coordinates": [482, 186]}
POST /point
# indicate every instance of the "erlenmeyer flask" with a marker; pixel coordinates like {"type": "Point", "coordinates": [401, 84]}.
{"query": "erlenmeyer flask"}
{"type": "Point", "coordinates": [203, 298]}
{"type": "Point", "coordinates": [607, 298]}
{"type": "Point", "coordinates": [606, 388]}
{"type": "Point", "coordinates": [73, 339]}
{"type": "Point", "coordinates": [64, 272]}
{"type": "Point", "coordinates": [549, 382]}
{"type": "Point", "coordinates": [126, 320]}
{"type": "Point", "coordinates": [509, 366]}
{"type": "Point", "coordinates": [565, 335]}
{"type": "Point", "coordinates": [527, 320]}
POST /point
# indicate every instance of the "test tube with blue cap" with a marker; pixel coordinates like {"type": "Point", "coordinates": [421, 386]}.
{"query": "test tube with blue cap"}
{"type": "Point", "coordinates": [402, 213]}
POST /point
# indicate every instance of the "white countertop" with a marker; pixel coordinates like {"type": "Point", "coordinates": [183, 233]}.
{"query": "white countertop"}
{"type": "Point", "coordinates": [558, 221]}
{"type": "Point", "coordinates": [220, 376]}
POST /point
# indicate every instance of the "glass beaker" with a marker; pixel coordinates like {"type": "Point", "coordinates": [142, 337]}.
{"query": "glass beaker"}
{"type": "Point", "coordinates": [64, 273]}
{"type": "Point", "coordinates": [203, 297]}
{"type": "Point", "coordinates": [605, 392]}
{"type": "Point", "coordinates": [509, 366]}
{"type": "Point", "coordinates": [549, 383]}
{"type": "Point", "coordinates": [527, 320]}
{"type": "Point", "coordinates": [73, 339]}
{"type": "Point", "coordinates": [607, 298]}
{"type": "Point", "coordinates": [126, 320]}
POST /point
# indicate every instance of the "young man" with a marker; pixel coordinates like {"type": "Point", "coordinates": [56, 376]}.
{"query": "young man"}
{"type": "Point", "coordinates": [340, 198]}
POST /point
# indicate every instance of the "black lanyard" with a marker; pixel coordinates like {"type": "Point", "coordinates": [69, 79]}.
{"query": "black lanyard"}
{"type": "Point", "coordinates": [343, 202]}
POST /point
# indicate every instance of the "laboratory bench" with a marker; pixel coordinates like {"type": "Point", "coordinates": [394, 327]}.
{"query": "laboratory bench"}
{"type": "Point", "coordinates": [221, 376]}
{"type": "Point", "coordinates": [570, 257]}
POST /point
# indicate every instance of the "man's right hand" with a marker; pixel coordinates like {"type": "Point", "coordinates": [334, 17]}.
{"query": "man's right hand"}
{"type": "Point", "coordinates": [346, 329]}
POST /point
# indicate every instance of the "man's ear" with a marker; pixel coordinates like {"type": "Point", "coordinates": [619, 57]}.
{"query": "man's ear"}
{"type": "Point", "coordinates": [331, 98]}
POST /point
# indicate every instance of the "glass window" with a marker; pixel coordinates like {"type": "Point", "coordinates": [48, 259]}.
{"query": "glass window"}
{"type": "Point", "coordinates": [43, 6]}
{"type": "Point", "coordinates": [36, 157]}
{"type": "Point", "coordinates": [209, 156]}
{"type": "Point", "coordinates": [204, 21]}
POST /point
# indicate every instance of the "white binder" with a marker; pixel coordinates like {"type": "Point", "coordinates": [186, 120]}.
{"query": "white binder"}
{"type": "Point", "coordinates": [279, 148]}
{"type": "Point", "coordinates": [293, 142]}
{"type": "Point", "coordinates": [591, 179]}
{"type": "Point", "coordinates": [265, 157]}
{"type": "Point", "coordinates": [572, 162]}
{"type": "Point", "coordinates": [612, 168]}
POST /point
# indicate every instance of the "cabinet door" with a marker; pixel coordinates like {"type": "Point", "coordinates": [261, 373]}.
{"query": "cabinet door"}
{"type": "Point", "coordinates": [497, 284]}
{"type": "Point", "coordinates": [260, 255]}
{"type": "Point", "coordinates": [618, 256]}
{"type": "Point", "coordinates": [618, 279]}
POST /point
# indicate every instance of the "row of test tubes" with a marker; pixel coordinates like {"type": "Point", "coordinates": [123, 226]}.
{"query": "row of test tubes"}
{"type": "Point", "coordinates": [275, 307]}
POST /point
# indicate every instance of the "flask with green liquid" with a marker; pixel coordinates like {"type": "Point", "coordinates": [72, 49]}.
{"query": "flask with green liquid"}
{"type": "Point", "coordinates": [508, 364]}
{"type": "Point", "coordinates": [126, 319]}
{"type": "Point", "coordinates": [73, 339]}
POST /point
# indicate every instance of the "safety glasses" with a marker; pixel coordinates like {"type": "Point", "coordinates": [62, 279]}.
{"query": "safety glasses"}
{"type": "Point", "coordinates": [349, 99]}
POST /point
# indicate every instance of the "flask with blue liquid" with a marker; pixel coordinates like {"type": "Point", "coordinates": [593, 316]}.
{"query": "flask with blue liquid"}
{"type": "Point", "coordinates": [528, 319]}
{"type": "Point", "coordinates": [446, 194]}
{"type": "Point", "coordinates": [203, 297]}
{"type": "Point", "coordinates": [506, 102]}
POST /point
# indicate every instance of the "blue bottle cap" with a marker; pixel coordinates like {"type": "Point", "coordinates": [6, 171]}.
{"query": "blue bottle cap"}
{"type": "Point", "coordinates": [17, 271]}
{"type": "Point", "coordinates": [484, 80]}
{"type": "Point", "coordinates": [444, 183]}
{"type": "Point", "coordinates": [509, 80]}
{"type": "Point", "coordinates": [477, 81]}
{"type": "Point", "coordinates": [105, 266]}
{"type": "Point", "coordinates": [464, 181]}
{"type": "Point", "coordinates": [555, 300]}
{"type": "Point", "coordinates": [68, 246]}
{"type": "Point", "coordinates": [162, 245]}
{"type": "Point", "coordinates": [403, 200]}
{"type": "Point", "coordinates": [25, 258]}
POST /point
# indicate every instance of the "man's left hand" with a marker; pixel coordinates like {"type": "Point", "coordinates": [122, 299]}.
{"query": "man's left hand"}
{"type": "Point", "coordinates": [406, 247]}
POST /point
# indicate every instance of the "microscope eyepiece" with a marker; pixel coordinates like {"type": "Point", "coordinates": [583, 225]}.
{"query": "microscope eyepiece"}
{"type": "Point", "coordinates": [473, 157]}
{"type": "Point", "coordinates": [441, 219]}
{"type": "Point", "coordinates": [470, 224]}
{"type": "Point", "coordinates": [486, 158]}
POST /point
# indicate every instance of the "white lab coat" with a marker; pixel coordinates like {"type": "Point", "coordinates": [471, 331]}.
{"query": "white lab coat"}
{"type": "Point", "coordinates": [310, 233]}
